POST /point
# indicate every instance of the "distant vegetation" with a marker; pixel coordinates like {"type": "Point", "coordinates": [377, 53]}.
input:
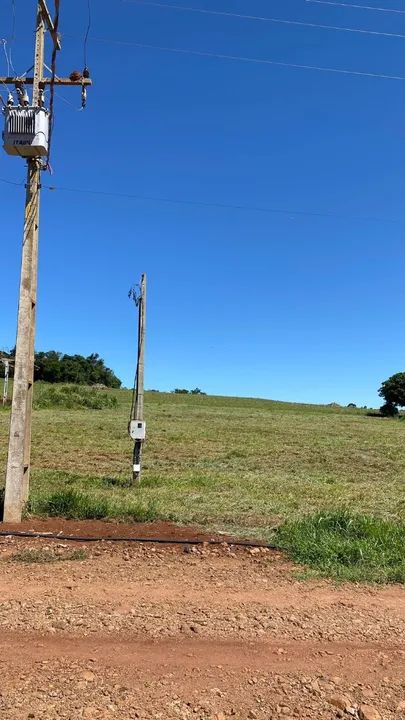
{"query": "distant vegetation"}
{"type": "Point", "coordinates": [56, 367]}
{"type": "Point", "coordinates": [393, 392]}
{"type": "Point", "coordinates": [183, 391]}
{"type": "Point", "coordinates": [72, 397]}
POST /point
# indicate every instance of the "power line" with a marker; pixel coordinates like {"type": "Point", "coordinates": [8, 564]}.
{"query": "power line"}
{"type": "Point", "coordinates": [86, 37]}
{"type": "Point", "coordinates": [258, 61]}
{"type": "Point", "coordinates": [357, 7]}
{"type": "Point", "coordinates": [11, 182]}
{"type": "Point", "coordinates": [280, 21]}
{"type": "Point", "coordinates": [12, 36]}
{"type": "Point", "coordinates": [52, 89]}
{"type": "Point", "coordinates": [3, 41]}
{"type": "Point", "coordinates": [217, 205]}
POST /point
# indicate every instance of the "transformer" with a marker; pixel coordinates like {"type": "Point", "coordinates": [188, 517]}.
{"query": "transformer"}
{"type": "Point", "coordinates": [26, 131]}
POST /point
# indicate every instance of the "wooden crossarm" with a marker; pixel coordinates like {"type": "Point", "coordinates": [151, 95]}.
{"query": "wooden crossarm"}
{"type": "Point", "coordinates": [45, 81]}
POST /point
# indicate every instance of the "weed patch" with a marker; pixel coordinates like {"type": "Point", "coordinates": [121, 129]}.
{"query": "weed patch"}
{"type": "Point", "coordinates": [347, 547]}
{"type": "Point", "coordinates": [71, 504]}
{"type": "Point", "coordinates": [46, 556]}
{"type": "Point", "coordinates": [76, 505]}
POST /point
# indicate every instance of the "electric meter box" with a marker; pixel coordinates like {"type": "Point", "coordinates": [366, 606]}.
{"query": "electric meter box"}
{"type": "Point", "coordinates": [26, 131]}
{"type": "Point", "coordinates": [137, 430]}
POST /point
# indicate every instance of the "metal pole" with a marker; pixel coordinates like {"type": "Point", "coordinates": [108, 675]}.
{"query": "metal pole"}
{"type": "Point", "coordinates": [18, 462]}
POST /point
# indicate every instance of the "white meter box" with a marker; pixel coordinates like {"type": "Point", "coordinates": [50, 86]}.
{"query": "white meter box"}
{"type": "Point", "coordinates": [26, 131]}
{"type": "Point", "coordinates": [137, 430]}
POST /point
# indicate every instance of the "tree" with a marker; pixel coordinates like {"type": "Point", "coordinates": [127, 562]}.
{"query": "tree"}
{"type": "Point", "coordinates": [55, 367]}
{"type": "Point", "coordinates": [393, 392]}
{"type": "Point", "coordinates": [389, 410]}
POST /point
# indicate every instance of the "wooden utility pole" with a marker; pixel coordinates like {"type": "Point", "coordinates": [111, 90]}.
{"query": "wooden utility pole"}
{"type": "Point", "coordinates": [137, 425]}
{"type": "Point", "coordinates": [19, 449]}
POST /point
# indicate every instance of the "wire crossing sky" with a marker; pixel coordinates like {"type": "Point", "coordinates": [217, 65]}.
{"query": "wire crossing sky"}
{"type": "Point", "coordinates": [249, 159]}
{"type": "Point", "coordinates": [261, 18]}
{"type": "Point", "coordinates": [357, 7]}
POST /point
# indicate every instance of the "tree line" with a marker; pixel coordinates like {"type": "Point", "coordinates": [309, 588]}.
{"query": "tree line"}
{"type": "Point", "coordinates": [57, 367]}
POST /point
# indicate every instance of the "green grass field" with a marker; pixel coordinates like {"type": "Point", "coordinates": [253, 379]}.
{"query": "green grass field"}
{"type": "Point", "coordinates": [238, 465]}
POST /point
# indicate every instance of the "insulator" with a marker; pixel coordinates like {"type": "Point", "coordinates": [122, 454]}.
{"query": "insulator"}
{"type": "Point", "coordinates": [86, 73]}
{"type": "Point", "coordinates": [23, 96]}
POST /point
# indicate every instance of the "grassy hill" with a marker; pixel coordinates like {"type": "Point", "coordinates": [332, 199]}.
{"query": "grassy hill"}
{"type": "Point", "coordinates": [230, 463]}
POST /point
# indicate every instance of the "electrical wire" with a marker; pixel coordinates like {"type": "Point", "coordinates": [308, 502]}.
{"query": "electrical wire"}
{"type": "Point", "coordinates": [11, 182]}
{"type": "Point", "coordinates": [291, 213]}
{"type": "Point", "coordinates": [68, 102]}
{"type": "Point", "coordinates": [13, 10]}
{"type": "Point", "coordinates": [52, 84]}
{"type": "Point", "coordinates": [86, 37]}
{"type": "Point", "coordinates": [9, 42]}
{"type": "Point", "coordinates": [258, 61]}
{"type": "Point", "coordinates": [206, 204]}
{"type": "Point", "coordinates": [3, 41]}
{"type": "Point", "coordinates": [356, 7]}
{"type": "Point", "coordinates": [217, 205]}
{"type": "Point", "coordinates": [280, 21]}
{"type": "Point", "coordinates": [12, 36]}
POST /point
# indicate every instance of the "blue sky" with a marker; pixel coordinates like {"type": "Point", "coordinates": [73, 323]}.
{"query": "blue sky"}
{"type": "Point", "coordinates": [283, 305]}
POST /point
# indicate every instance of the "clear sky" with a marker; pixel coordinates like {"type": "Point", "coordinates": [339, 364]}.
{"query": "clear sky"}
{"type": "Point", "coordinates": [303, 304]}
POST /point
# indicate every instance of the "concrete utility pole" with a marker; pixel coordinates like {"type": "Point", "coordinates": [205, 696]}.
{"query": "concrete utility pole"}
{"type": "Point", "coordinates": [6, 362]}
{"type": "Point", "coordinates": [137, 427]}
{"type": "Point", "coordinates": [19, 449]}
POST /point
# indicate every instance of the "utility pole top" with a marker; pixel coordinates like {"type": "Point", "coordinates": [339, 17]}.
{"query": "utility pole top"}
{"type": "Point", "coordinates": [47, 17]}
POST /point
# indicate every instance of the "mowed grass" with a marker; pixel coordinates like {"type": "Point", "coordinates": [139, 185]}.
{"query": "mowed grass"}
{"type": "Point", "coordinates": [242, 466]}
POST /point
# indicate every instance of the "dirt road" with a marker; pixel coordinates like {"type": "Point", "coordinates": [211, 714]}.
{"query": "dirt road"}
{"type": "Point", "coordinates": [139, 631]}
